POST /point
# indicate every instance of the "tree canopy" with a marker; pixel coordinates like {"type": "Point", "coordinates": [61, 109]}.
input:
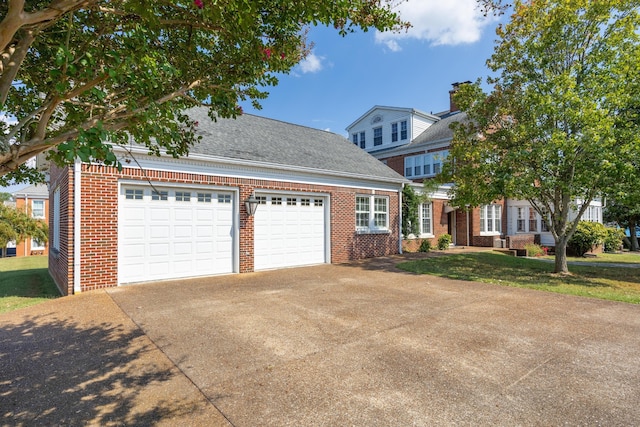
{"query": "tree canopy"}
{"type": "Point", "coordinates": [566, 70]}
{"type": "Point", "coordinates": [81, 75]}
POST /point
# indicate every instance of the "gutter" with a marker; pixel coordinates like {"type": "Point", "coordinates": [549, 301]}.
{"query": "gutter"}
{"type": "Point", "coordinates": [77, 170]}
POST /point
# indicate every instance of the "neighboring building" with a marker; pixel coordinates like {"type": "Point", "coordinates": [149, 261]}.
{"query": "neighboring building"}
{"type": "Point", "coordinates": [35, 200]}
{"type": "Point", "coordinates": [504, 223]}
{"type": "Point", "coordinates": [320, 200]}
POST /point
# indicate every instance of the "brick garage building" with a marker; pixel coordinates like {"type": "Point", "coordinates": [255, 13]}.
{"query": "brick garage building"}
{"type": "Point", "coordinates": [319, 200]}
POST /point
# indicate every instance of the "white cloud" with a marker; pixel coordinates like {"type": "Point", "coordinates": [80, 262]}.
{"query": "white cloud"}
{"type": "Point", "coordinates": [440, 22]}
{"type": "Point", "coordinates": [312, 64]}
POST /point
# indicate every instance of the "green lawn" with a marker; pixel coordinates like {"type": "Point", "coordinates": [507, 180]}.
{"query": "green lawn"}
{"type": "Point", "coordinates": [25, 281]}
{"type": "Point", "coordinates": [611, 283]}
{"type": "Point", "coordinates": [617, 258]}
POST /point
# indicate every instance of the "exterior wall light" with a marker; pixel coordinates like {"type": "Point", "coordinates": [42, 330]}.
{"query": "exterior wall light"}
{"type": "Point", "coordinates": [251, 204]}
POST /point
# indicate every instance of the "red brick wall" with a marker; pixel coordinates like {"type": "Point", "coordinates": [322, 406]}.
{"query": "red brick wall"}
{"type": "Point", "coordinates": [99, 224]}
{"type": "Point", "coordinates": [60, 262]}
{"type": "Point", "coordinates": [519, 241]}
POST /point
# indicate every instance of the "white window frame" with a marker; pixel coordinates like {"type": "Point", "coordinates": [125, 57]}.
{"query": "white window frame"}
{"type": "Point", "coordinates": [354, 138]}
{"type": "Point", "coordinates": [521, 224]}
{"type": "Point", "coordinates": [491, 220]}
{"type": "Point", "coordinates": [430, 164]}
{"type": "Point", "coordinates": [38, 210]}
{"type": "Point", "coordinates": [37, 245]}
{"type": "Point", "coordinates": [394, 132]}
{"type": "Point", "coordinates": [404, 134]}
{"type": "Point", "coordinates": [377, 136]}
{"type": "Point", "coordinates": [363, 140]}
{"type": "Point", "coordinates": [426, 217]}
{"type": "Point", "coordinates": [56, 220]}
{"type": "Point", "coordinates": [370, 218]}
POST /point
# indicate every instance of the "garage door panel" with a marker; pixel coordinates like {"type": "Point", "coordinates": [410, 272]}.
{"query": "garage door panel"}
{"type": "Point", "coordinates": [289, 234]}
{"type": "Point", "coordinates": [165, 239]}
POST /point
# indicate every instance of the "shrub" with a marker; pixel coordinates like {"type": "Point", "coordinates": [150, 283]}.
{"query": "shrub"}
{"type": "Point", "coordinates": [534, 250]}
{"type": "Point", "coordinates": [425, 246]}
{"type": "Point", "coordinates": [613, 239]}
{"type": "Point", "coordinates": [588, 235]}
{"type": "Point", "coordinates": [444, 241]}
{"type": "Point", "coordinates": [410, 206]}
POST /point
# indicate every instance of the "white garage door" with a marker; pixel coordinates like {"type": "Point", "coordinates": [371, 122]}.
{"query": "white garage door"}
{"type": "Point", "coordinates": [289, 231]}
{"type": "Point", "coordinates": [173, 233]}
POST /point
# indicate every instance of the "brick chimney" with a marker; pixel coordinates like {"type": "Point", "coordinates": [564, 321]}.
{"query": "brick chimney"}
{"type": "Point", "coordinates": [452, 105]}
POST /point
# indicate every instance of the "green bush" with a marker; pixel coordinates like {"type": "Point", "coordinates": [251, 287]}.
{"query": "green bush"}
{"type": "Point", "coordinates": [425, 246]}
{"type": "Point", "coordinates": [613, 239]}
{"type": "Point", "coordinates": [534, 250]}
{"type": "Point", "coordinates": [444, 241]}
{"type": "Point", "coordinates": [588, 235]}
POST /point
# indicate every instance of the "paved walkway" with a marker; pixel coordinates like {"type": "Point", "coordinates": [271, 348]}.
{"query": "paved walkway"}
{"type": "Point", "coordinates": [360, 345]}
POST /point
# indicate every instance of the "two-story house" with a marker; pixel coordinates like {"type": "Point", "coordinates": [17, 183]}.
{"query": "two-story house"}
{"type": "Point", "coordinates": [35, 200]}
{"type": "Point", "coordinates": [418, 155]}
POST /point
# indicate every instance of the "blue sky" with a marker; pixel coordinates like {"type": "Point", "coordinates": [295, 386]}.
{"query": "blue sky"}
{"type": "Point", "coordinates": [344, 77]}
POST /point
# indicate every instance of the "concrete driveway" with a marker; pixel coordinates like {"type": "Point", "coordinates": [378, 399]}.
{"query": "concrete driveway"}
{"type": "Point", "coordinates": [331, 345]}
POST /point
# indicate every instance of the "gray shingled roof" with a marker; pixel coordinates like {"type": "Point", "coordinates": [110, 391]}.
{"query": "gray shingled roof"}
{"type": "Point", "coordinates": [438, 131]}
{"type": "Point", "coordinates": [36, 190]}
{"type": "Point", "coordinates": [259, 139]}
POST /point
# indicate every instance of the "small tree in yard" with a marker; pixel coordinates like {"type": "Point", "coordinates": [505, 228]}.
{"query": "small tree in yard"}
{"type": "Point", "coordinates": [546, 133]}
{"type": "Point", "coordinates": [16, 224]}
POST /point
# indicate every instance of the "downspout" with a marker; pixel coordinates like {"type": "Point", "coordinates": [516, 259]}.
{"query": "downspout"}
{"type": "Point", "coordinates": [77, 169]}
{"type": "Point", "coordinates": [468, 239]}
{"type": "Point", "coordinates": [400, 217]}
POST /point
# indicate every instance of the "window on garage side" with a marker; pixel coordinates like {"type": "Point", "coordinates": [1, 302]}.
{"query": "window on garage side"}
{"type": "Point", "coordinates": [372, 213]}
{"type": "Point", "coordinates": [204, 197]}
{"type": "Point", "coordinates": [160, 195]}
{"type": "Point", "coordinates": [133, 194]}
{"type": "Point", "coordinates": [276, 200]}
{"type": "Point", "coordinates": [318, 202]}
{"type": "Point", "coordinates": [224, 198]}
{"type": "Point", "coordinates": [305, 202]}
{"type": "Point", "coordinates": [291, 201]}
{"type": "Point", "coordinates": [183, 196]}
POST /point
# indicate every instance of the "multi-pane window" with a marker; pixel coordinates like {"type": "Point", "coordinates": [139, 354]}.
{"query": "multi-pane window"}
{"type": "Point", "coordinates": [224, 198]}
{"type": "Point", "coordinates": [394, 132]}
{"type": "Point", "coordinates": [37, 208]}
{"type": "Point", "coordinates": [363, 142]}
{"type": "Point", "coordinates": [381, 212]}
{"type": "Point", "coordinates": [426, 214]}
{"type": "Point", "coordinates": [520, 226]}
{"type": "Point", "coordinates": [305, 202]}
{"type": "Point", "coordinates": [362, 212]}
{"type": "Point", "coordinates": [204, 197]}
{"type": "Point", "coordinates": [424, 164]}
{"type": "Point", "coordinates": [533, 220]}
{"type": "Point", "coordinates": [377, 136]}
{"type": "Point", "coordinates": [183, 196]}
{"type": "Point", "coordinates": [354, 138]}
{"type": "Point", "coordinates": [276, 200]}
{"type": "Point", "coordinates": [131, 194]}
{"type": "Point", "coordinates": [160, 195]}
{"type": "Point", "coordinates": [291, 201]}
{"type": "Point", "coordinates": [543, 226]}
{"type": "Point", "coordinates": [262, 200]}
{"type": "Point", "coordinates": [56, 219]}
{"type": "Point", "coordinates": [365, 206]}
{"type": "Point", "coordinates": [491, 219]}
{"type": "Point", "coordinates": [318, 202]}
{"type": "Point", "coordinates": [403, 130]}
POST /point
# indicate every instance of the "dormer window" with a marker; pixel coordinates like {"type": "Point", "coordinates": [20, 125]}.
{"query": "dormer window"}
{"type": "Point", "coordinates": [363, 142]}
{"type": "Point", "coordinates": [377, 136]}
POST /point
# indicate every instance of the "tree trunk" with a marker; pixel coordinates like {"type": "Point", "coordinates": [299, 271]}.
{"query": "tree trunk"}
{"type": "Point", "coordinates": [632, 235]}
{"type": "Point", "coordinates": [561, 257]}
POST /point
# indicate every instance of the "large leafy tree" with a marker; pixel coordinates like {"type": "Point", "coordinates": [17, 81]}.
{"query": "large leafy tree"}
{"type": "Point", "coordinates": [565, 70]}
{"type": "Point", "coordinates": [81, 75]}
